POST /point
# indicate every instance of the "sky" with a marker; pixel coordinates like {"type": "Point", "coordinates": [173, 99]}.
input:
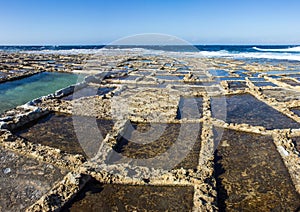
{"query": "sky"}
{"type": "Point", "coordinates": [71, 22]}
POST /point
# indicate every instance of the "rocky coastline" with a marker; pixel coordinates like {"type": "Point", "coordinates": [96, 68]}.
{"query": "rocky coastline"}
{"type": "Point", "coordinates": [138, 90]}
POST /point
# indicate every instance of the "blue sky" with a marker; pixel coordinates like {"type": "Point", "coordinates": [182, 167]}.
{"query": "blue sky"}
{"type": "Point", "coordinates": [197, 21]}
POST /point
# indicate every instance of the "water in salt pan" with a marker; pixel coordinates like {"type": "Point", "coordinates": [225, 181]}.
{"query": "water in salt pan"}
{"type": "Point", "coordinates": [251, 175]}
{"type": "Point", "coordinates": [247, 109]}
{"type": "Point", "coordinates": [18, 92]}
{"type": "Point", "coordinates": [57, 130]}
{"type": "Point", "coordinates": [113, 197]}
{"type": "Point", "coordinates": [142, 143]}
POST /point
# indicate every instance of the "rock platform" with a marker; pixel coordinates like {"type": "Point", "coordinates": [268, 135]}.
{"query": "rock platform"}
{"type": "Point", "coordinates": [153, 132]}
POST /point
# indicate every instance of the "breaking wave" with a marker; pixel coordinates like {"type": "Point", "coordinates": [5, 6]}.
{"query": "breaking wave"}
{"type": "Point", "coordinates": [291, 49]}
{"type": "Point", "coordinates": [292, 53]}
{"type": "Point", "coordinates": [253, 55]}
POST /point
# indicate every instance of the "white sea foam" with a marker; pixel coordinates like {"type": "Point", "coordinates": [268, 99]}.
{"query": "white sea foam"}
{"type": "Point", "coordinates": [292, 49]}
{"type": "Point", "coordinates": [69, 51]}
{"type": "Point", "coordinates": [292, 55]}
{"type": "Point", "coordinates": [252, 55]}
{"type": "Point", "coordinates": [240, 55]}
{"type": "Point", "coordinates": [87, 51]}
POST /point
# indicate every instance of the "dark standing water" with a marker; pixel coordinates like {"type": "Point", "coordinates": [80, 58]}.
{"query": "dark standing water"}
{"type": "Point", "coordinates": [281, 94]}
{"type": "Point", "coordinates": [3, 75]}
{"type": "Point", "coordinates": [219, 73]}
{"type": "Point", "coordinates": [247, 109]}
{"type": "Point", "coordinates": [89, 91]}
{"type": "Point", "coordinates": [296, 111]}
{"type": "Point", "coordinates": [108, 197]}
{"type": "Point", "coordinates": [257, 79]}
{"type": "Point", "coordinates": [232, 78]}
{"type": "Point", "coordinates": [290, 82]}
{"type": "Point", "coordinates": [251, 175]}
{"type": "Point", "coordinates": [190, 108]}
{"type": "Point", "coordinates": [129, 78]}
{"type": "Point", "coordinates": [237, 85]}
{"type": "Point", "coordinates": [24, 180]}
{"type": "Point", "coordinates": [163, 145]}
{"type": "Point", "coordinates": [241, 73]}
{"type": "Point", "coordinates": [19, 92]}
{"type": "Point", "coordinates": [263, 84]}
{"type": "Point", "coordinates": [169, 77]}
{"type": "Point", "coordinates": [57, 130]}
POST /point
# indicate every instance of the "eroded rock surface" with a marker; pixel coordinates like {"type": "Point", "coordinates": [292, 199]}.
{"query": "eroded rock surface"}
{"type": "Point", "coordinates": [107, 131]}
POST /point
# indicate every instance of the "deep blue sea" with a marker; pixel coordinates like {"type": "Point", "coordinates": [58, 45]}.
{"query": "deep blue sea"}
{"type": "Point", "coordinates": [256, 52]}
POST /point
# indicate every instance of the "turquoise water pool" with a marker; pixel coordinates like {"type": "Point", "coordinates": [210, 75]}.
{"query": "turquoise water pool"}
{"type": "Point", "coordinates": [19, 92]}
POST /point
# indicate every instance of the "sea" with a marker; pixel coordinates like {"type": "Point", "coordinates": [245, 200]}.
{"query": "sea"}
{"type": "Point", "coordinates": [248, 52]}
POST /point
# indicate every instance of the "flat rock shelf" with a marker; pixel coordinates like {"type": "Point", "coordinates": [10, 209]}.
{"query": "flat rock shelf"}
{"type": "Point", "coordinates": [148, 132]}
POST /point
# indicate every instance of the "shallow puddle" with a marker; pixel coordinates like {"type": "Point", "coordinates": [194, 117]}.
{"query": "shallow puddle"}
{"type": "Point", "coordinates": [236, 85]}
{"type": "Point", "coordinates": [24, 180]}
{"type": "Point", "coordinates": [112, 197]}
{"type": "Point", "coordinates": [247, 109]}
{"type": "Point", "coordinates": [199, 89]}
{"type": "Point", "coordinates": [144, 61]}
{"type": "Point", "coordinates": [89, 91]}
{"type": "Point", "coordinates": [198, 83]}
{"type": "Point", "coordinates": [296, 111]}
{"type": "Point", "coordinates": [241, 73]}
{"type": "Point", "coordinates": [257, 79]}
{"type": "Point", "coordinates": [255, 74]}
{"type": "Point", "coordinates": [169, 77]}
{"type": "Point", "coordinates": [163, 146]}
{"type": "Point", "coordinates": [293, 75]}
{"type": "Point", "coordinates": [280, 72]}
{"type": "Point", "coordinates": [58, 131]}
{"type": "Point", "coordinates": [251, 175]}
{"type": "Point", "coordinates": [281, 94]}
{"type": "Point", "coordinates": [3, 75]}
{"type": "Point", "coordinates": [129, 78]}
{"type": "Point", "coordinates": [182, 72]}
{"type": "Point", "coordinates": [264, 84]}
{"type": "Point", "coordinates": [232, 78]}
{"type": "Point", "coordinates": [142, 73]}
{"type": "Point", "coordinates": [184, 69]}
{"type": "Point", "coordinates": [223, 64]}
{"type": "Point", "coordinates": [208, 83]}
{"type": "Point", "coordinates": [276, 77]}
{"type": "Point", "coordinates": [290, 82]}
{"type": "Point", "coordinates": [190, 108]}
{"type": "Point", "coordinates": [18, 71]}
{"type": "Point", "coordinates": [219, 73]}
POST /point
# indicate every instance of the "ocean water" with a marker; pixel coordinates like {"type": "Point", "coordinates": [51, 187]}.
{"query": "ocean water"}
{"type": "Point", "coordinates": [249, 52]}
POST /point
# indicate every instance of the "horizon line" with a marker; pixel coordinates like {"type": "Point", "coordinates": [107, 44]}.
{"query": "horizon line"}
{"type": "Point", "coordinates": [228, 44]}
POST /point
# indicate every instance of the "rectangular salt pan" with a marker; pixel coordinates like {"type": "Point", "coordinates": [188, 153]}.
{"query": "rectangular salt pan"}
{"type": "Point", "coordinates": [249, 110]}
{"type": "Point", "coordinates": [111, 197]}
{"type": "Point", "coordinates": [165, 146]}
{"type": "Point", "coordinates": [24, 180]}
{"type": "Point", "coordinates": [58, 131]}
{"type": "Point", "coordinates": [251, 174]}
